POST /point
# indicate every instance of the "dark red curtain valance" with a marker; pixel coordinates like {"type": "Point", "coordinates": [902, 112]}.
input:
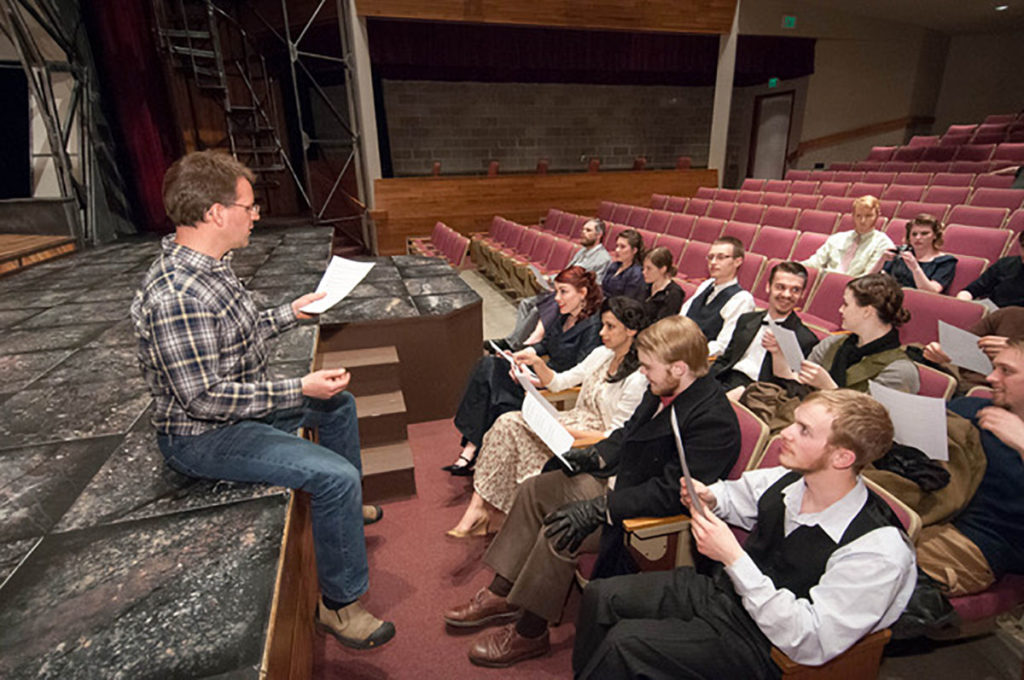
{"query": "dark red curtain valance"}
{"type": "Point", "coordinates": [411, 50]}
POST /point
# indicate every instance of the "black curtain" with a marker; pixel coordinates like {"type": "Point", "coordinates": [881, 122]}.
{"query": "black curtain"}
{"type": "Point", "coordinates": [411, 50]}
{"type": "Point", "coordinates": [15, 164]}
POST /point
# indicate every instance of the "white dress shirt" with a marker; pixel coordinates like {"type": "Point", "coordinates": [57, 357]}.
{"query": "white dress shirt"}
{"type": "Point", "coordinates": [865, 587]}
{"type": "Point", "coordinates": [829, 257]}
{"type": "Point", "coordinates": [740, 303]}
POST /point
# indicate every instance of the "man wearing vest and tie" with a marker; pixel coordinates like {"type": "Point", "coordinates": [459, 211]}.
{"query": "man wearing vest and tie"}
{"type": "Point", "coordinates": [826, 563]}
{"type": "Point", "coordinates": [717, 303]}
{"type": "Point", "coordinates": [746, 359]}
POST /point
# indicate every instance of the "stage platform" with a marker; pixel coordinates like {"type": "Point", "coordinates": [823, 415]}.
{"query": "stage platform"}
{"type": "Point", "coordinates": [18, 251]}
{"type": "Point", "coordinates": [112, 565]}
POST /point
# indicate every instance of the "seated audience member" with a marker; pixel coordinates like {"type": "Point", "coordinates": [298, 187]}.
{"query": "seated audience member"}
{"type": "Point", "coordinates": [746, 360]}
{"type": "Point", "coordinates": [624, 276]}
{"type": "Point", "coordinates": [542, 308]}
{"type": "Point", "coordinates": [872, 310]}
{"type": "Point", "coordinates": [919, 263]}
{"type": "Point", "coordinates": [854, 252]}
{"type": "Point", "coordinates": [993, 330]}
{"type": "Point", "coordinates": [717, 303]}
{"type": "Point", "coordinates": [826, 563]}
{"type": "Point", "coordinates": [664, 296]}
{"type": "Point", "coordinates": [555, 511]}
{"type": "Point", "coordinates": [610, 392]}
{"type": "Point", "coordinates": [986, 540]}
{"type": "Point", "coordinates": [1002, 283]}
{"type": "Point", "coordinates": [491, 391]}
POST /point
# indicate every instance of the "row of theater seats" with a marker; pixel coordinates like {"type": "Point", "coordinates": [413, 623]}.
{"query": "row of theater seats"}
{"type": "Point", "coordinates": [947, 149]}
{"type": "Point", "coordinates": [443, 242]}
{"type": "Point", "coordinates": [507, 251]}
{"type": "Point", "coordinates": [779, 231]}
{"type": "Point", "coordinates": [922, 178]}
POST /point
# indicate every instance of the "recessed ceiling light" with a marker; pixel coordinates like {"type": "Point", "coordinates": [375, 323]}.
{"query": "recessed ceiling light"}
{"type": "Point", "coordinates": [1002, 8]}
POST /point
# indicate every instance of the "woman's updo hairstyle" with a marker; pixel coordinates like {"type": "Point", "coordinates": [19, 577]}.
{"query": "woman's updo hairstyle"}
{"type": "Point", "coordinates": [578, 277]}
{"type": "Point", "coordinates": [635, 241]}
{"type": "Point", "coordinates": [630, 314]}
{"type": "Point", "coordinates": [661, 257]}
{"type": "Point", "coordinates": [882, 292]}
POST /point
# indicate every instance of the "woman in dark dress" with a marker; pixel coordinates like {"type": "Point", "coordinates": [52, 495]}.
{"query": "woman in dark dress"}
{"type": "Point", "coordinates": [664, 296]}
{"type": "Point", "coordinates": [492, 391]}
{"type": "Point", "coordinates": [920, 263]}
{"type": "Point", "coordinates": [624, 275]}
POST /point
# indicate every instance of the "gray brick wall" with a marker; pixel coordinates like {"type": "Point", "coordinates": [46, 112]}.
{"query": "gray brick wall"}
{"type": "Point", "coordinates": [467, 125]}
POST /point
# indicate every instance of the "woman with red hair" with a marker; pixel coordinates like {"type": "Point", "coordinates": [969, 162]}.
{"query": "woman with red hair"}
{"type": "Point", "coordinates": [492, 392]}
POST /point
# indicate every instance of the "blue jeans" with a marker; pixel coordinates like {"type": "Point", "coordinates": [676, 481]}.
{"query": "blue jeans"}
{"type": "Point", "coordinates": [267, 451]}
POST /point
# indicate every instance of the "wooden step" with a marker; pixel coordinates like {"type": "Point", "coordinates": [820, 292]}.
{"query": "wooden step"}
{"type": "Point", "coordinates": [382, 418]}
{"type": "Point", "coordinates": [388, 472]}
{"type": "Point", "coordinates": [374, 370]}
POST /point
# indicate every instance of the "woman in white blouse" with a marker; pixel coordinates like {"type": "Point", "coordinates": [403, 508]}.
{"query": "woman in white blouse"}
{"type": "Point", "coordinates": [611, 389]}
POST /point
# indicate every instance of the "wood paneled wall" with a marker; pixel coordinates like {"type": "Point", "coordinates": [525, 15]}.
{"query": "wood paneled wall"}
{"type": "Point", "coordinates": [409, 206]}
{"type": "Point", "coordinates": [679, 16]}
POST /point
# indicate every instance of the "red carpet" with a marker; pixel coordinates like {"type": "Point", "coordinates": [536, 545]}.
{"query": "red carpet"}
{"type": "Point", "coordinates": [416, 572]}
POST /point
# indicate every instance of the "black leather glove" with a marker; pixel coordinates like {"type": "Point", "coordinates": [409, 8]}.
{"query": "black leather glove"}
{"type": "Point", "coordinates": [586, 459]}
{"type": "Point", "coordinates": [572, 523]}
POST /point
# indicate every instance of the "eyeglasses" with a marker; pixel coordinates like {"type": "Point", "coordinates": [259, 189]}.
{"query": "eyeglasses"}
{"type": "Point", "coordinates": [253, 209]}
{"type": "Point", "coordinates": [720, 256]}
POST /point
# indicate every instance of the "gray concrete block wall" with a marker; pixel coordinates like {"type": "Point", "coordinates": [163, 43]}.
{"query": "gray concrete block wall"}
{"type": "Point", "coordinates": [466, 125]}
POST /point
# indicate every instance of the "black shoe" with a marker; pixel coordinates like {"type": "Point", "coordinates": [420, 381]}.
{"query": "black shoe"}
{"type": "Point", "coordinates": [461, 470]}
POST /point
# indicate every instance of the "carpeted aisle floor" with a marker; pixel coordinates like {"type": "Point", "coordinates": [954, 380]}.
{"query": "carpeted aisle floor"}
{"type": "Point", "coordinates": [416, 572]}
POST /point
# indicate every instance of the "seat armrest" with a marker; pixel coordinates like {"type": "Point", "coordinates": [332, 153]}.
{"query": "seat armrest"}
{"type": "Point", "coordinates": [648, 527]}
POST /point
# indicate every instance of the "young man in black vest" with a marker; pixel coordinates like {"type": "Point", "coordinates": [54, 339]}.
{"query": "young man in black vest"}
{"type": "Point", "coordinates": [826, 563]}
{"type": "Point", "coordinates": [717, 303]}
{"type": "Point", "coordinates": [746, 359]}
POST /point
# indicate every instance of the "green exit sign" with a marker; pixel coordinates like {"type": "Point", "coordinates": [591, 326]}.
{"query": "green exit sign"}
{"type": "Point", "coordinates": [773, 82]}
{"type": "Point", "coordinates": [788, 21]}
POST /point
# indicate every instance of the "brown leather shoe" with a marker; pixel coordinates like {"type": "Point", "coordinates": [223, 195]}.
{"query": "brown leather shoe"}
{"type": "Point", "coordinates": [484, 609]}
{"type": "Point", "coordinates": [503, 647]}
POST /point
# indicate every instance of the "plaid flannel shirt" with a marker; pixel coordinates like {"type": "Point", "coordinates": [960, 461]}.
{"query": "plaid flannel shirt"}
{"type": "Point", "coordinates": [203, 344]}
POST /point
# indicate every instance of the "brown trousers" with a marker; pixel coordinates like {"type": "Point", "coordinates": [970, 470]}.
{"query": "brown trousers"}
{"type": "Point", "coordinates": [521, 553]}
{"type": "Point", "coordinates": [949, 557]}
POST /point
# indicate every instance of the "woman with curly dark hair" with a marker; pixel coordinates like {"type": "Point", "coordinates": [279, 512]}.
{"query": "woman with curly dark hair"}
{"type": "Point", "coordinates": [567, 341]}
{"type": "Point", "coordinates": [611, 389]}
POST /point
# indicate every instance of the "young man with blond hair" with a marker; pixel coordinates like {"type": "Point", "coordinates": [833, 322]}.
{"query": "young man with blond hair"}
{"type": "Point", "coordinates": [203, 350]}
{"type": "Point", "coordinates": [558, 513]}
{"type": "Point", "coordinates": [825, 564]}
{"type": "Point", "coordinates": [854, 252]}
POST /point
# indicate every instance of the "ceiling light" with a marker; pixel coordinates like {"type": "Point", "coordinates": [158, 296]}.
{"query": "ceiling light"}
{"type": "Point", "coordinates": [1002, 8]}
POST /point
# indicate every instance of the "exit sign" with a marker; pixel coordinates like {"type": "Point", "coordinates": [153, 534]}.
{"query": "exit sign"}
{"type": "Point", "coordinates": [773, 82]}
{"type": "Point", "coordinates": [788, 21]}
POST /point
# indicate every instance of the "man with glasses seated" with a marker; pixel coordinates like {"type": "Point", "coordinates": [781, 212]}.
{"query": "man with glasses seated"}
{"type": "Point", "coordinates": [717, 303]}
{"type": "Point", "coordinates": [203, 348]}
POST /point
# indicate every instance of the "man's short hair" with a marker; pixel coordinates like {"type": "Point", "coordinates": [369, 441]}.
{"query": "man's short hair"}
{"type": "Point", "coordinates": [599, 225]}
{"type": "Point", "coordinates": [788, 267]}
{"type": "Point", "coordinates": [1016, 342]}
{"type": "Point", "coordinates": [859, 423]}
{"type": "Point", "coordinates": [676, 338]}
{"type": "Point", "coordinates": [868, 201]}
{"type": "Point", "coordinates": [197, 180]}
{"type": "Point", "coordinates": [737, 245]}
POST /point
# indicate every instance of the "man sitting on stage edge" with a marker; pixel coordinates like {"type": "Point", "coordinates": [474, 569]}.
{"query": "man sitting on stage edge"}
{"type": "Point", "coordinates": [986, 540]}
{"type": "Point", "coordinates": [555, 511]}
{"type": "Point", "coordinates": [826, 563]}
{"type": "Point", "coordinates": [203, 351]}
{"type": "Point", "coordinates": [746, 359]}
{"type": "Point", "coordinates": [717, 303]}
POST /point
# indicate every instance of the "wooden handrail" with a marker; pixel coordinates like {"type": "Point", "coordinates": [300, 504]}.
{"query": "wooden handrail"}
{"type": "Point", "coordinates": [856, 133]}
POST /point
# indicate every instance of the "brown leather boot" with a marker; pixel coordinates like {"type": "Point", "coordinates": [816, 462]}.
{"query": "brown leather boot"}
{"type": "Point", "coordinates": [353, 626]}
